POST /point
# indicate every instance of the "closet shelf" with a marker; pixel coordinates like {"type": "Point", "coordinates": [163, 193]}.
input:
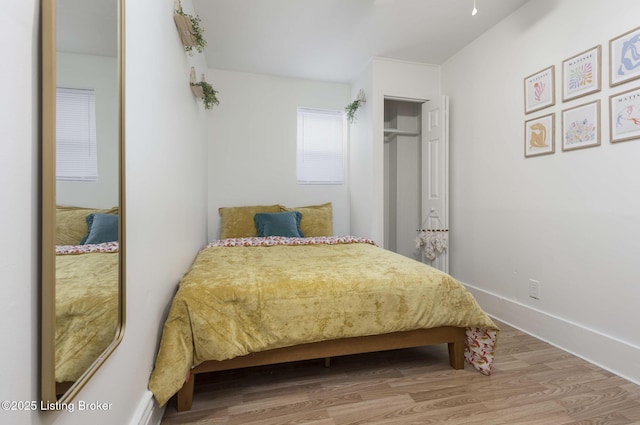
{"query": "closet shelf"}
{"type": "Point", "coordinates": [397, 132]}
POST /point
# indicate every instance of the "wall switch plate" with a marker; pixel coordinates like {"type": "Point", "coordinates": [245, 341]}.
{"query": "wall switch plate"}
{"type": "Point", "coordinates": [534, 289]}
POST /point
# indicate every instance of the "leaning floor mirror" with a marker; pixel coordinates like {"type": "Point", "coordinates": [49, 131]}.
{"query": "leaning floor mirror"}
{"type": "Point", "coordinates": [82, 203]}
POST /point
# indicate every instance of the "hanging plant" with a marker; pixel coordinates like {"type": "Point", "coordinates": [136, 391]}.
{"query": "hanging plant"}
{"type": "Point", "coordinates": [203, 90]}
{"type": "Point", "coordinates": [209, 98]}
{"type": "Point", "coordinates": [190, 30]}
{"type": "Point", "coordinates": [350, 109]}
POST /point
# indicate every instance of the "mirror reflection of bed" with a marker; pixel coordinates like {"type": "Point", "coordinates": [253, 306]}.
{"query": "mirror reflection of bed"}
{"type": "Point", "coordinates": [87, 288]}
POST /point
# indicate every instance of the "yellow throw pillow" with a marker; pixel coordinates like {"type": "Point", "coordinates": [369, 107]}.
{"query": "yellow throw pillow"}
{"type": "Point", "coordinates": [317, 220]}
{"type": "Point", "coordinates": [237, 222]}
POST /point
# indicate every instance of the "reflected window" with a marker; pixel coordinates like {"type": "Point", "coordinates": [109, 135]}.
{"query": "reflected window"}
{"type": "Point", "coordinates": [76, 147]}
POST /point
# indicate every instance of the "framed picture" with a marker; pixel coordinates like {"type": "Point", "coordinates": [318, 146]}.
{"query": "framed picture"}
{"type": "Point", "coordinates": [624, 59]}
{"type": "Point", "coordinates": [539, 90]}
{"type": "Point", "coordinates": [625, 115]}
{"type": "Point", "coordinates": [581, 74]}
{"type": "Point", "coordinates": [581, 126]}
{"type": "Point", "coordinates": [539, 136]}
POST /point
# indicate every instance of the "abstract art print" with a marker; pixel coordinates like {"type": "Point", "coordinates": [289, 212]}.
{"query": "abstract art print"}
{"type": "Point", "coordinates": [581, 74]}
{"type": "Point", "coordinates": [624, 52]}
{"type": "Point", "coordinates": [581, 126]}
{"type": "Point", "coordinates": [538, 136]}
{"type": "Point", "coordinates": [539, 90]}
{"type": "Point", "coordinates": [625, 116]}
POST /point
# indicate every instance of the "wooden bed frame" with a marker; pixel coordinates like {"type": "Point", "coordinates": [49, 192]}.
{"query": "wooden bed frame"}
{"type": "Point", "coordinates": [453, 336]}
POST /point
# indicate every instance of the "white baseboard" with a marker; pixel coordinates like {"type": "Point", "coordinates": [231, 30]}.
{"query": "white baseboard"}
{"type": "Point", "coordinates": [148, 411]}
{"type": "Point", "coordinates": [616, 356]}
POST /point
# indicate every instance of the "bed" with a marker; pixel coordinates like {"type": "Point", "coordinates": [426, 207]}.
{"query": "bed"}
{"type": "Point", "coordinates": [87, 288]}
{"type": "Point", "coordinates": [253, 299]}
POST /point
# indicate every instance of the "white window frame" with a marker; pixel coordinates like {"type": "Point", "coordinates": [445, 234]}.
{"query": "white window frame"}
{"type": "Point", "coordinates": [321, 161]}
{"type": "Point", "coordinates": [76, 144]}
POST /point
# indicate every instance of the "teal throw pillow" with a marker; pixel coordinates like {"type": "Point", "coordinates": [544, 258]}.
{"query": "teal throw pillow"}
{"type": "Point", "coordinates": [102, 228]}
{"type": "Point", "coordinates": [279, 224]}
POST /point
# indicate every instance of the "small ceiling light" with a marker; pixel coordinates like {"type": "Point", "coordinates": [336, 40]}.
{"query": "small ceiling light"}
{"type": "Point", "coordinates": [474, 11]}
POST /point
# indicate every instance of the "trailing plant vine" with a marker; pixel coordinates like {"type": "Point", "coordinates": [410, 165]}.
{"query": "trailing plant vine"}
{"type": "Point", "coordinates": [350, 109]}
{"type": "Point", "coordinates": [196, 31]}
{"type": "Point", "coordinates": [210, 98]}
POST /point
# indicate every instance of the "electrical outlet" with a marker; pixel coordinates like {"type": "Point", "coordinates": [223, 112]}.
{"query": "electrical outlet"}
{"type": "Point", "coordinates": [534, 289]}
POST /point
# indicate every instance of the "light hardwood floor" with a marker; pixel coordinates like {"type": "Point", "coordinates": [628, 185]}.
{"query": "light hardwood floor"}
{"type": "Point", "coordinates": [532, 383]}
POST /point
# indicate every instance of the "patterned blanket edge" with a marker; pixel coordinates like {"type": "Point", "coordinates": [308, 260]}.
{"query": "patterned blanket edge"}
{"type": "Point", "coordinates": [281, 240]}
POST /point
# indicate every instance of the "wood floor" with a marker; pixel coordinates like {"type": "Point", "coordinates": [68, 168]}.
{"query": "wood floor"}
{"type": "Point", "coordinates": [532, 383]}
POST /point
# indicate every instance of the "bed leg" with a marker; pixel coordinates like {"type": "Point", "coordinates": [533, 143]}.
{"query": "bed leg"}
{"type": "Point", "coordinates": [456, 354]}
{"type": "Point", "coordinates": [184, 397]}
{"type": "Point", "coordinates": [327, 362]}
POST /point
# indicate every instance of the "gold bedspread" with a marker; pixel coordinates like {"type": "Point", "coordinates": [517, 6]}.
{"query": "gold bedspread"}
{"type": "Point", "coordinates": [243, 299]}
{"type": "Point", "coordinates": [86, 310]}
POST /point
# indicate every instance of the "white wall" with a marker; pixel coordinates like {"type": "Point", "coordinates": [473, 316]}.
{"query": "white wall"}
{"type": "Point", "coordinates": [252, 148]}
{"type": "Point", "coordinates": [19, 251]}
{"type": "Point", "coordinates": [405, 79]}
{"type": "Point", "coordinates": [361, 190]}
{"type": "Point", "coordinates": [568, 220]}
{"type": "Point", "coordinates": [101, 74]}
{"type": "Point", "coordinates": [166, 207]}
{"type": "Point", "coordinates": [166, 159]}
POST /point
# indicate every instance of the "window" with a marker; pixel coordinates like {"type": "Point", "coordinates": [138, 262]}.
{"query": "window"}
{"type": "Point", "coordinates": [76, 148]}
{"type": "Point", "coordinates": [320, 153]}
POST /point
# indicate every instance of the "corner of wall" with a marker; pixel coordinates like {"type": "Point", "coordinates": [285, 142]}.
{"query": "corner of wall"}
{"type": "Point", "coordinates": [148, 411]}
{"type": "Point", "coordinates": [588, 344]}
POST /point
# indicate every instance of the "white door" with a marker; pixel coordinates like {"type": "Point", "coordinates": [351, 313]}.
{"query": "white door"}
{"type": "Point", "coordinates": [435, 173]}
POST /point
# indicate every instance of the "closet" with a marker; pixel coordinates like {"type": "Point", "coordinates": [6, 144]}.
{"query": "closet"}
{"type": "Point", "coordinates": [402, 175]}
{"type": "Point", "coordinates": [415, 181]}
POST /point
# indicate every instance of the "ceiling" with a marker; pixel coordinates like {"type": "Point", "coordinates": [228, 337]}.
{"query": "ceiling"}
{"type": "Point", "coordinates": [333, 40]}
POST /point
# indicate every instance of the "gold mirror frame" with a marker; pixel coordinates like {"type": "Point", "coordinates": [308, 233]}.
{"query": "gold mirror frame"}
{"type": "Point", "coordinates": [50, 392]}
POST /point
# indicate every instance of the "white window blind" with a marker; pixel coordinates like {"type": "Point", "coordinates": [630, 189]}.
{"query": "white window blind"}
{"type": "Point", "coordinates": [76, 148]}
{"type": "Point", "coordinates": [320, 152]}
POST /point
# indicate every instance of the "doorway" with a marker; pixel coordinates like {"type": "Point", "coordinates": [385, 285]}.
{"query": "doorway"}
{"type": "Point", "coordinates": [416, 172]}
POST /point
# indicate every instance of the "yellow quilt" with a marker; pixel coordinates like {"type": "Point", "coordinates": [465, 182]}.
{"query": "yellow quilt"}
{"type": "Point", "coordinates": [241, 299]}
{"type": "Point", "coordinates": [86, 306]}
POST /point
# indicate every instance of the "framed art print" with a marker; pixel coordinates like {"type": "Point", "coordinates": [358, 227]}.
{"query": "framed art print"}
{"type": "Point", "coordinates": [581, 74]}
{"type": "Point", "coordinates": [624, 52]}
{"type": "Point", "coordinates": [581, 126]}
{"type": "Point", "coordinates": [625, 116]}
{"type": "Point", "coordinates": [539, 90]}
{"type": "Point", "coordinates": [539, 136]}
